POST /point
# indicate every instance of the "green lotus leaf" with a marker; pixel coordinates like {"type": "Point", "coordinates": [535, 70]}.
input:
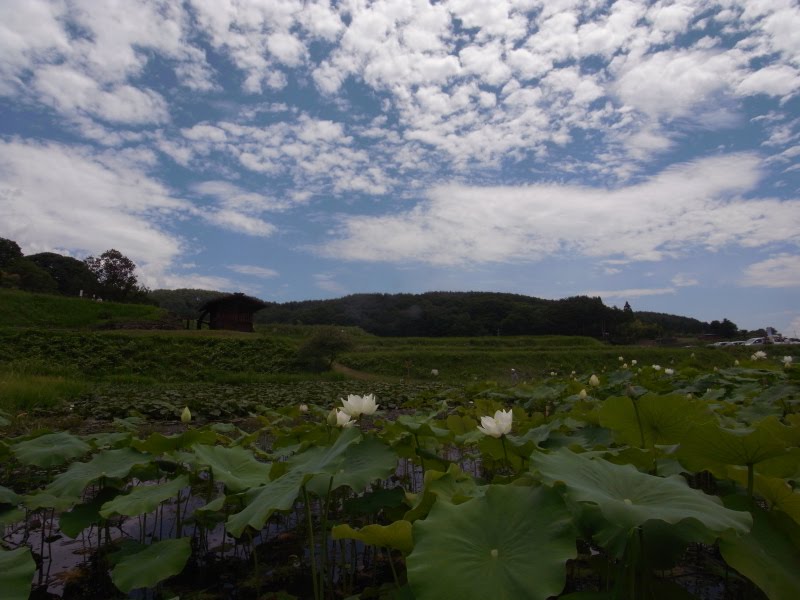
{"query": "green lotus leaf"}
{"type": "Point", "coordinates": [9, 496]}
{"type": "Point", "coordinates": [372, 502]}
{"type": "Point", "coordinates": [396, 535]}
{"type": "Point", "coordinates": [11, 516]}
{"type": "Point", "coordinates": [774, 490]}
{"type": "Point", "coordinates": [81, 516]}
{"type": "Point", "coordinates": [453, 486]}
{"type": "Point", "coordinates": [155, 563]}
{"type": "Point", "coordinates": [47, 500]}
{"type": "Point", "coordinates": [144, 498]}
{"type": "Point", "coordinates": [663, 419]}
{"type": "Point", "coordinates": [16, 573]}
{"type": "Point", "coordinates": [712, 448]}
{"type": "Point", "coordinates": [461, 425]}
{"type": "Point", "coordinates": [363, 463]}
{"type": "Point", "coordinates": [109, 463]}
{"type": "Point", "coordinates": [513, 542]}
{"type": "Point", "coordinates": [769, 555]}
{"type": "Point", "coordinates": [628, 498]}
{"type": "Point", "coordinates": [281, 493]}
{"type": "Point", "coordinates": [235, 467]}
{"type": "Point", "coordinates": [158, 443]}
{"type": "Point", "coordinates": [50, 450]}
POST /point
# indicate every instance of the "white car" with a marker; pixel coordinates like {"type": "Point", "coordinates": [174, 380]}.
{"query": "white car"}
{"type": "Point", "coordinates": [754, 341]}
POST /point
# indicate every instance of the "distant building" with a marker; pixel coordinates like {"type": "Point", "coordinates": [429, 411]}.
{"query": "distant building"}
{"type": "Point", "coordinates": [233, 312]}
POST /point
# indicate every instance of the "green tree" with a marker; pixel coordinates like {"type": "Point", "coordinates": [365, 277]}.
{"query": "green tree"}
{"type": "Point", "coordinates": [116, 275]}
{"type": "Point", "coordinates": [9, 250]}
{"type": "Point", "coordinates": [321, 350]}
{"type": "Point", "coordinates": [71, 274]}
{"type": "Point", "coordinates": [32, 278]}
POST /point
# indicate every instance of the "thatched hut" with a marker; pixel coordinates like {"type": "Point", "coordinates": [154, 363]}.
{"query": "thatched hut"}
{"type": "Point", "coordinates": [234, 312]}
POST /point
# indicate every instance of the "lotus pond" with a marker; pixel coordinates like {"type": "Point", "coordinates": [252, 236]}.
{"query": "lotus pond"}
{"type": "Point", "coordinates": [653, 483]}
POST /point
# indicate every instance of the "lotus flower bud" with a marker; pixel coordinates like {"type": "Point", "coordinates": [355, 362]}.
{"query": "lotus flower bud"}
{"type": "Point", "coordinates": [303, 408]}
{"type": "Point", "coordinates": [582, 394]}
{"type": "Point", "coordinates": [186, 415]}
{"type": "Point", "coordinates": [331, 418]}
{"type": "Point", "coordinates": [594, 381]}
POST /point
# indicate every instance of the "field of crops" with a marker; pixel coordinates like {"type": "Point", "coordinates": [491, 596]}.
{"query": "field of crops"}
{"type": "Point", "coordinates": [632, 479]}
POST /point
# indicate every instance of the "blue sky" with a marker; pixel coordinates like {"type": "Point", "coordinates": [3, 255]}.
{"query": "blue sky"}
{"type": "Point", "coordinates": [640, 151]}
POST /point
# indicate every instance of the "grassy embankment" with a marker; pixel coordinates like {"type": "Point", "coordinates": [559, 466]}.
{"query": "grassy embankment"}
{"type": "Point", "coordinates": [54, 350]}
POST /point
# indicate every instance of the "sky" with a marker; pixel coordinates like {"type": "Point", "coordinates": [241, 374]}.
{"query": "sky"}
{"type": "Point", "coordinates": [645, 152]}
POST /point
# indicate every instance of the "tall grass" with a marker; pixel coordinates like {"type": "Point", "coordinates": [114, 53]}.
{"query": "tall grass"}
{"type": "Point", "coordinates": [27, 393]}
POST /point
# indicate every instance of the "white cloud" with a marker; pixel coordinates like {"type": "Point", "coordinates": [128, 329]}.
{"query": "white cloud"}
{"type": "Point", "coordinates": [684, 280]}
{"type": "Point", "coordinates": [686, 206]}
{"type": "Point", "coordinates": [233, 197]}
{"type": "Point", "coordinates": [240, 222]}
{"type": "Point", "coordinates": [262, 272]}
{"type": "Point", "coordinates": [75, 198]}
{"type": "Point", "coordinates": [781, 271]}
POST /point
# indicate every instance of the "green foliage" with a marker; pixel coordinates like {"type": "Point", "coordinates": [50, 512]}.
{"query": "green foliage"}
{"type": "Point", "coordinates": [475, 516]}
{"type": "Point", "coordinates": [322, 349]}
{"type": "Point", "coordinates": [438, 314]}
{"type": "Point", "coordinates": [31, 277]}
{"type": "Point", "coordinates": [116, 276]}
{"type": "Point", "coordinates": [9, 250]}
{"type": "Point", "coordinates": [511, 543]}
{"type": "Point", "coordinates": [23, 309]}
{"type": "Point", "coordinates": [70, 274]}
{"type": "Point", "coordinates": [183, 302]}
{"type": "Point", "coordinates": [16, 572]}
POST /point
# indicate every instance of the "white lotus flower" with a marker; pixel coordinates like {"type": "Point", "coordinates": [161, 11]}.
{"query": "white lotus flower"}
{"type": "Point", "coordinates": [633, 362]}
{"type": "Point", "coordinates": [657, 367]}
{"type": "Point", "coordinates": [620, 359]}
{"type": "Point", "coordinates": [186, 415]}
{"type": "Point", "coordinates": [303, 408]}
{"type": "Point", "coordinates": [736, 362]}
{"type": "Point", "coordinates": [593, 380]}
{"type": "Point", "coordinates": [624, 365]}
{"type": "Point", "coordinates": [668, 371]}
{"type": "Point", "coordinates": [434, 372]}
{"type": "Point", "coordinates": [760, 354]}
{"type": "Point", "coordinates": [787, 361]}
{"type": "Point", "coordinates": [497, 426]}
{"type": "Point", "coordinates": [355, 406]}
{"type": "Point", "coordinates": [343, 419]}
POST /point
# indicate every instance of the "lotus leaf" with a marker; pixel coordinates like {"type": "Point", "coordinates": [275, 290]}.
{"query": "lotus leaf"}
{"type": "Point", "coordinates": [396, 535]}
{"type": "Point", "coordinates": [281, 493]}
{"type": "Point", "coordinates": [628, 498]}
{"type": "Point", "coordinates": [8, 496]}
{"type": "Point", "coordinates": [155, 563]}
{"type": "Point", "coordinates": [660, 419]}
{"type": "Point", "coordinates": [769, 554]}
{"type": "Point", "coordinates": [235, 467]}
{"type": "Point", "coordinates": [81, 516]}
{"type": "Point", "coordinates": [16, 573]}
{"type": "Point", "coordinates": [144, 498]}
{"type": "Point", "coordinates": [158, 443]}
{"type": "Point", "coordinates": [363, 463]}
{"type": "Point", "coordinates": [709, 447]}
{"type": "Point", "coordinates": [109, 463]}
{"type": "Point", "coordinates": [50, 450]}
{"type": "Point", "coordinates": [512, 543]}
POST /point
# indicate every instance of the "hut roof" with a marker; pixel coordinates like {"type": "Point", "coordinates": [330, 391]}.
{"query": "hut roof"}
{"type": "Point", "coordinates": [237, 300]}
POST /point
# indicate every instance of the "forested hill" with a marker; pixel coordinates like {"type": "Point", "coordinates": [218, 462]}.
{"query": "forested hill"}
{"type": "Point", "coordinates": [436, 314]}
{"type": "Point", "coordinates": [454, 314]}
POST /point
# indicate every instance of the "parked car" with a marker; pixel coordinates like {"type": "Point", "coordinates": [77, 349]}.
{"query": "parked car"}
{"type": "Point", "coordinates": [754, 341]}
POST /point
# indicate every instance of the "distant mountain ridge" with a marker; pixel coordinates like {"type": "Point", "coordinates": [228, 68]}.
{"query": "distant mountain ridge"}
{"type": "Point", "coordinates": [436, 314]}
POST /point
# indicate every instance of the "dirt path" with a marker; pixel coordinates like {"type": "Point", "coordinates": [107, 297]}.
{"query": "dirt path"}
{"type": "Point", "coordinates": [362, 376]}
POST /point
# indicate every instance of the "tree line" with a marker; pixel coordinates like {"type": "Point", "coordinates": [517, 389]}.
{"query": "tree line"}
{"type": "Point", "coordinates": [110, 276]}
